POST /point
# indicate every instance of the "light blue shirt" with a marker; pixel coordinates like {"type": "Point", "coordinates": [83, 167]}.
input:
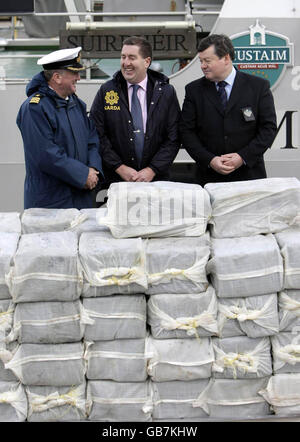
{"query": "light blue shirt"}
{"type": "Point", "coordinates": [229, 80]}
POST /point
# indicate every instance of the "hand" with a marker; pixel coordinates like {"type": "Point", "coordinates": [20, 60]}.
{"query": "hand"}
{"type": "Point", "coordinates": [218, 164]}
{"type": "Point", "coordinates": [127, 173]}
{"type": "Point", "coordinates": [92, 179]}
{"type": "Point", "coordinates": [145, 175]}
{"type": "Point", "coordinates": [232, 159]}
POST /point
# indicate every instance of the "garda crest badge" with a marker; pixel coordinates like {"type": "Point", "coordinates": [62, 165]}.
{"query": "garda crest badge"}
{"type": "Point", "coordinates": [262, 53]}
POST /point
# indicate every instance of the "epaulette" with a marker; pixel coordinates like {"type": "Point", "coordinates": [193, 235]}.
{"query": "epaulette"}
{"type": "Point", "coordinates": [36, 98]}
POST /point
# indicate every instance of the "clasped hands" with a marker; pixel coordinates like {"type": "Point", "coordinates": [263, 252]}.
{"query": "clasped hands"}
{"type": "Point", "coordinates": [225, 164]}
{"type": "Point", "coordinates": [129, 174]}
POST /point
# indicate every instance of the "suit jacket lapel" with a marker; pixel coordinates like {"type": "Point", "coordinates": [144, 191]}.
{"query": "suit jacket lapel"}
{"type": "Point", "coordinates": [212, 94]}
{"type": "Point", "coordinates": [235, 91]}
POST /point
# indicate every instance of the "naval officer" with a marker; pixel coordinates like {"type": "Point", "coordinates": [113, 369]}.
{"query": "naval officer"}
{"type": "Point", "coordinates": [61, 144]}
{"type": "Point", "coordinates": [228, 117]}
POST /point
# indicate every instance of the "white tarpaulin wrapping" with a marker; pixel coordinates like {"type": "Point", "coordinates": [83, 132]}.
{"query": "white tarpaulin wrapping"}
{"type": "Point", "coordinates": [289, 310]}
{"type": "Point", "coordinates": [45, 268]}
{"type": "Point", "coordinates": [8, 248]}
{"type": "Point", "coordinates": [286, 352]}
{"type": "Point", "coordinates": [179, 359]}
{"type": "Point", "coordinates": [248, 266]}
{"type": "Point", "coordinates": [7, 308]}
{"type": "Point", "coordinates": [112, 266]}
{"type": "Point", "coordinates": [183, 316]}
{"type": "Point", "coordinates": [13, 402]}
{"type": "Point", "coordinates": [117, 401]}
{"type": "Point", "coordinates": [242, 357]}
{"type": "Point", "coordinates": [234, 399]}
{"type": "Point", "coordinates": [49, 322]}
{"type": "Point", "coordinates": [283, 394]}
{"type": "Point", "coordinates": [115, 317]}
{"type": "Point", "coordinates": [7, 351]}
{"type": "Point", "coordinates": [36, 220]}
{"type": "Point", "coordinates": [10, 222]}
{"type": "Point", "coordinates": [56, 404]}
{"type": "Point", "coordinates": [254, 316]}
{"type": "Point", "coordinates": [289, 242]}
{"type": "Point", "coordinates": [177, 265]}
{"type": "Point", "coordinates": [244, 208]}
{"type": "Point", "coordinates": [49, 364]}
{"type": "Point", "coordinates": [122, 360]}
{"type": "Point", "coordinates": [174, 399]}
{"type": "Point", "coordinates": [91, 223]}
{"type": "Point", "coordinates": [156, 209]}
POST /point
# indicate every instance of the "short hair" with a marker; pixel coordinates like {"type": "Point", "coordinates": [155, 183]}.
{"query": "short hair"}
{"type": "Point", "coordinates": [221, 42]}
{"type": "Point", "coordinates": [48, 73]}
{"type": "Point", "coordinates": [145, 48]}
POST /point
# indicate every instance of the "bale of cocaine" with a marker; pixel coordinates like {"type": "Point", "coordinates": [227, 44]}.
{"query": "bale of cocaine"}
{"type": "Point", "coordinates": [253, 316]}
{"type": "Point", "coordinates": [156, 209]}
{"type": "Point", "coordinates": [45, 268]}
{"type": "Point", "coordinates": [242, 357]}
{"type": "Point", "coordinates": [56, 404]}
{"type": "Point", "coordinates": [111, 401]}
{"type": "Point", "coordinates": [183, 316]}
{"type": "Point", "coordinates": [248, 266]}
{"type": "Point", "coordinates": [244, 208]}
{"type": "Point", "coordinates": [122, 360]}
{"type": "Point", "coordinates": [10, 222]}
{"type": "Point", "coordinates": [36, 220]}
{"type": "Point", "coordinates": [179, 359]}
{"type": "Point", "coordinates": [289, 310]}
{"type": "Point", "coordinates": [177, 265]}
{"type": "Point", "coordinates": [115, 317]}
{"type": "Point", "coordinates": [8, 247]}
{"type": "Point", "coordinates": [49, 364]}
{"type": "Point", "coordinates": [283, 394]}
{"type": "Point", "coordinates": [7, 351]}
{"type": "Point", "coordinates": [13, 402]}
{"type": "Point", "coordinates": [112, 266]}
{"type": "Point", "coordinates": [91, 222]}
{"type": "Point", "coordinates": [286, 352]}
{"type": "Point", "coordinates": [289, 243]}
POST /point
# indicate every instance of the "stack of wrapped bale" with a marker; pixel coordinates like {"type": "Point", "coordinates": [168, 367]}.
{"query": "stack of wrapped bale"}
{"type": "Point", "coordinates": [246, 270]}
{"type": "Point", "coordinates": [45, 285]}
{"type": "Point", "coordinates": [13, 401]}
{"type": "Point", "coordinates": [182, 307]}
{"type": "Point", "coordinates": [283, 390]}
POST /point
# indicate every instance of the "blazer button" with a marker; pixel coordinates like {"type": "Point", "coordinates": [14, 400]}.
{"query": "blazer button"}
{"type": "Point", "coordinates": [129, 121]}
{"type": "Point", "coordinates": [132, 159]}
{"type": "Point", "coordinates": [131, 139]}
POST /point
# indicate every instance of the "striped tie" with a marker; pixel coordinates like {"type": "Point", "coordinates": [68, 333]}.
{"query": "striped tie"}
{"type": "Point", "coordinates": [137, 117]}
{"type": "Point", "coordinates": [222, 93]}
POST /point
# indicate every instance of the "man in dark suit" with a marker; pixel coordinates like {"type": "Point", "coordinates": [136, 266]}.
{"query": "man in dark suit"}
{"type": "Point", "coordinates": [228, 117]}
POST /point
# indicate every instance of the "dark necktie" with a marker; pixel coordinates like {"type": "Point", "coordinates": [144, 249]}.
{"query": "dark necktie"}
{"type": "Point", "coordinates": [137, 117]}
{"type": "Point", "coordinates": [222, 93]}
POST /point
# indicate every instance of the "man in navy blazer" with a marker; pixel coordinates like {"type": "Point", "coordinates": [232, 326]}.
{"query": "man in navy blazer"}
{"type": "Point", "coordinates": [228, 117]}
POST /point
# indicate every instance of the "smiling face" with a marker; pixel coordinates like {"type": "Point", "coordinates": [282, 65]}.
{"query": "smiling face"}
{"type": "Point", "coordinates": [65, 82]}
{"type": "Point", "coordinates": [133, 65]}
{"type": "Point", "coordinates": [215, 68]}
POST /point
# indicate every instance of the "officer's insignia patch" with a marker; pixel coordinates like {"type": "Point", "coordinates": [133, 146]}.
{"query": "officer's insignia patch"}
{"type": "Point", "coordinates": [248, 114]}
{"type": "Point", "coordinates": [35, 99]}
{"type": "Point", "coordinates": [111, 97]}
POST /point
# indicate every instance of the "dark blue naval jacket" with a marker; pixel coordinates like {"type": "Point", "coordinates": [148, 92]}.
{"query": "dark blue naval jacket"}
{"type": "Point", "coordinates": [60, 144]}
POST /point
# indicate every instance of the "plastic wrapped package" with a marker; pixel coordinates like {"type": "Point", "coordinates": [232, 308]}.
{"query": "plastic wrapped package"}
{"type": "Point", "coordinates": [289, 310]}
{"type": "Point", "coordinates": [111, 401]}
{"type": "Point", "coordinates": [115, 317]}
{"type": "Point", "coordinates": [179, 359]}
{"type": "Point", "coordinates": [242, 267]}
{"type": "Point", "coordinates": [36, 220]}
{"type": "Point", "coordinates": [156, 209]}
{"type": "Point", "coordinates": [7, 351]}
{"type": "Point", "coordinates": [242, 357]}
{"type": "Point", "coordinates": [283, 394]}
{"type": "Point", "coordinates": [183, 316]}
{"type": "Point", "coordinates": [49, 322]}
{"type": "Point", "coordinates": [49, 364]}
{"type": "Point", "coordinates": [7, 308]}
{"type": "Point", "coordinates": [8, 248]}
{"type": "Point", "coordinates": [121, 360]}
{"type": "Point", "coordinates": [45, 268]}
{"type": "Point", "coordinates": [247, 208]}
{"type": "Point", "coordinates": [13, 402]}
{"type": "Point", "coordinates": [255, 316]}
{"type": "Point", "coordinates": [10, 222]}
{"type": "Point", "coordinates": [174, 399]}
{"type": "Point", "coordinates": [289, 243]}
{"type": "Point", "coordinates": [177, 265]}
{"type": "Point", "coordinates": [112, 266]}
{"type": "Point", "coordinates": [234, 399]}
{"type": "Point", "coordinates": [91, 222]}
{"type": "Point", "coordinates": [286, 352]}
{"type": "Point", "coordinates": [56, 404]}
